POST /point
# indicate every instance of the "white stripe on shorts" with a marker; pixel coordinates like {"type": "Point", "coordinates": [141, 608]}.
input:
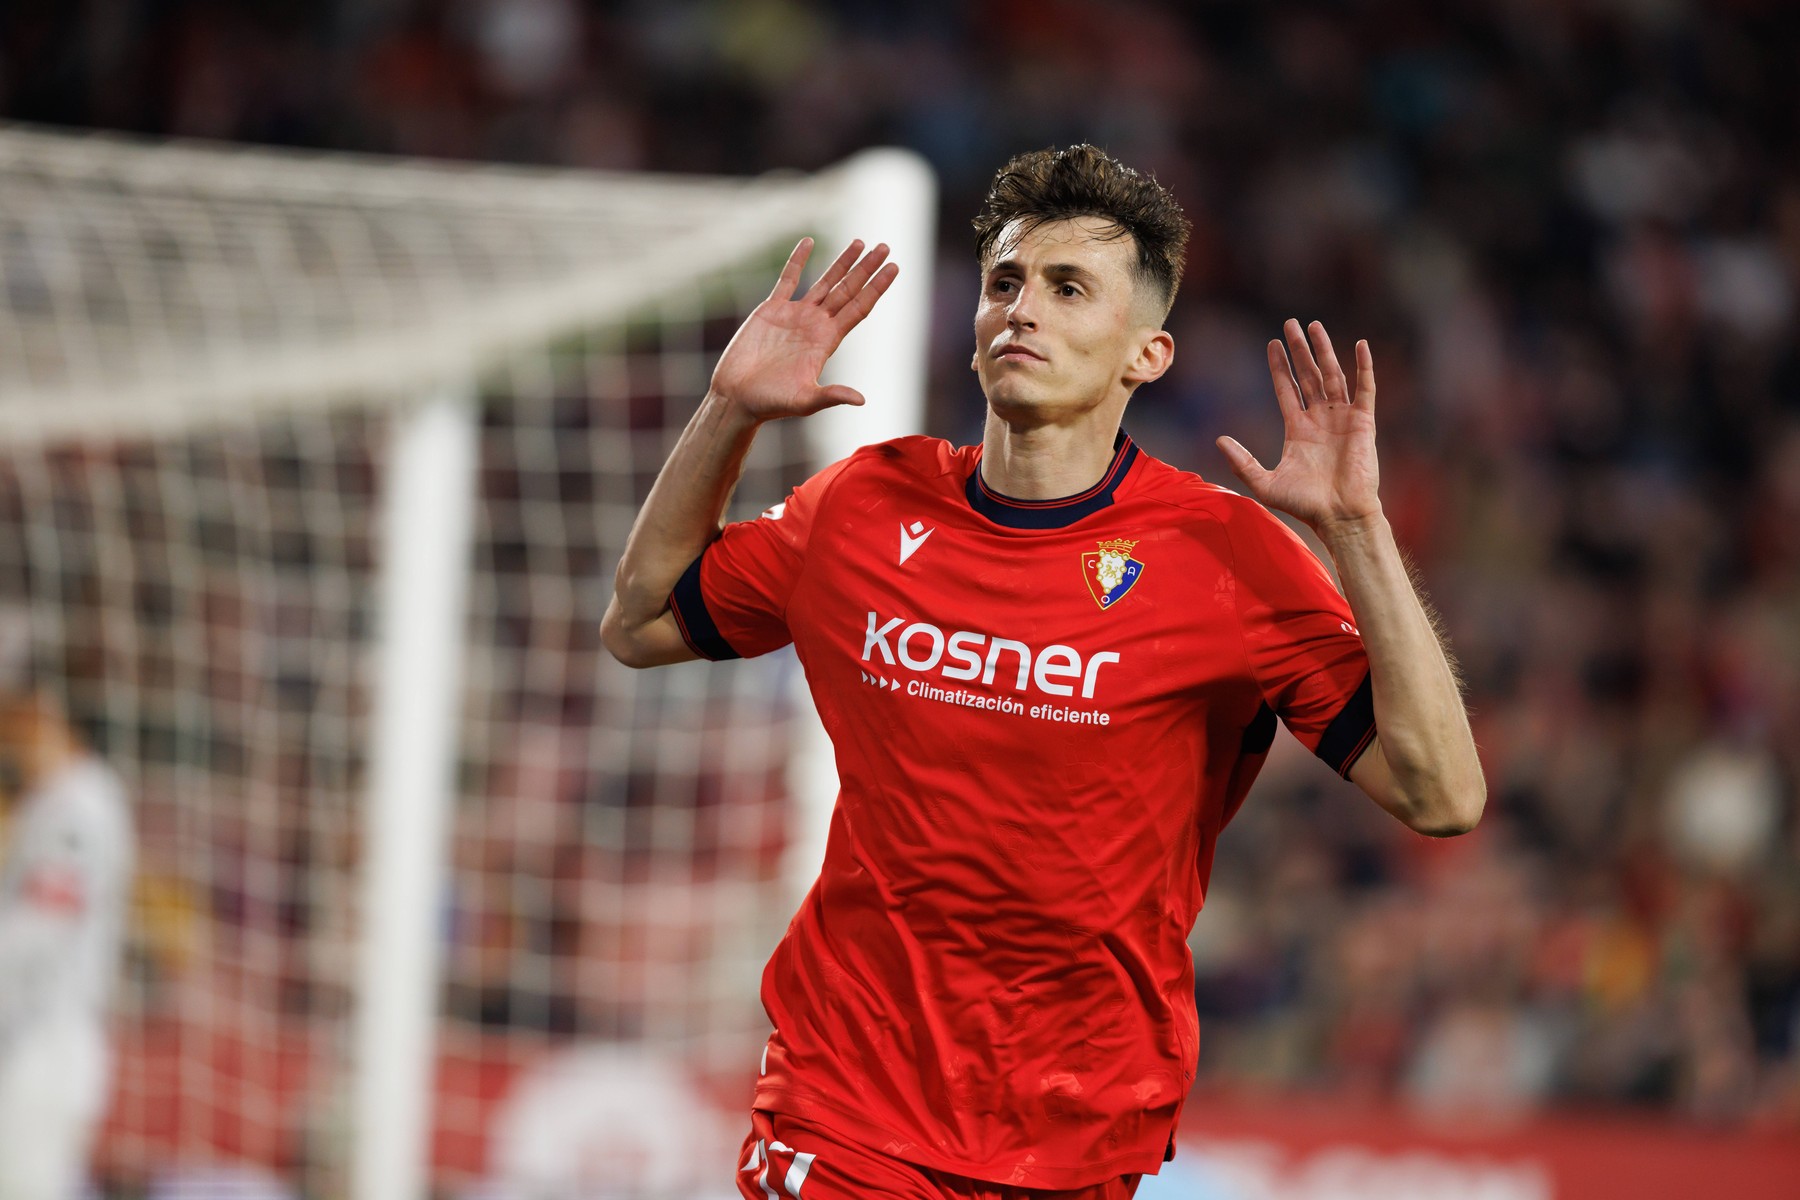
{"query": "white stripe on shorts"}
{"type": "Point", "coordinates": [762, 1180]}
{"type": "Point", "coordinates": [797, 1173]}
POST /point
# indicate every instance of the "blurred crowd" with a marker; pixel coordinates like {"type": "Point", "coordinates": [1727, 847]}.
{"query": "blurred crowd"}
{"type": "Point", "coordinates": [1571, 231]}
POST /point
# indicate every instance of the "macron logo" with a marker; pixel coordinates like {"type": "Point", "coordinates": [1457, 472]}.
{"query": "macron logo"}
{"type": "Point", "coordinates": [910, 543]}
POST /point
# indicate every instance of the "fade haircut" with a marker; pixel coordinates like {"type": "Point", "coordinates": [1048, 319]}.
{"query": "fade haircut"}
{"type": "Point", "coordinates": [1042, 186]}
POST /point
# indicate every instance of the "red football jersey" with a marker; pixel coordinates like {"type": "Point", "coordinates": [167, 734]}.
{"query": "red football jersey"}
{"type": "Point", "coordinates": [1043, 713]}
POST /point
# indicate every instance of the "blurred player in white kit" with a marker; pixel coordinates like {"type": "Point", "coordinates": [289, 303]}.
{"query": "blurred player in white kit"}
{"type": "Point", "coordinates": [65, 871]}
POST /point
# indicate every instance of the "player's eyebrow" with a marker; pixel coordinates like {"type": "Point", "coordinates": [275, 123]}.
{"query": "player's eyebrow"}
{"type": "Point", "coordinates": [1073, 271]}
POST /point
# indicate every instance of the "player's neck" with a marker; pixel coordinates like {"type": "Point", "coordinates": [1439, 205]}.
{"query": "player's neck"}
{"type": "Point", "coordinates": [1047, 462]}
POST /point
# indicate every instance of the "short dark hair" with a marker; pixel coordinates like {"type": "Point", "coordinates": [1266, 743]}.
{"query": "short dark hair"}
{"type": "Point", "coordinates": [1041, 186]}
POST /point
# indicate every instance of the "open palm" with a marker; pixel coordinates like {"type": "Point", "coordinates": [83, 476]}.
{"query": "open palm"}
{"type": "Point", "coordinates": [771, 368]}
{"type": "Point", "coordinates": [1328, 472]}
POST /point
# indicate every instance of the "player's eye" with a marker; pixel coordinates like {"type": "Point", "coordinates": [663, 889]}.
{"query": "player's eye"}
{"type": "Point", "coordinates": [1068, 289]}
{"type": "Point", "coordinates": [1001, 285]}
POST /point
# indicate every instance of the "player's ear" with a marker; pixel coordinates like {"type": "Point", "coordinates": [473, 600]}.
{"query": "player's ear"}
{"type": "Point", "coordinates": [1154, 357]}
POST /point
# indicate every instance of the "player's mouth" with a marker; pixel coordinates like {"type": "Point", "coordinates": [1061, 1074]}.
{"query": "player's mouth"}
{"type": "Point", "coordinates": [1014, 351]}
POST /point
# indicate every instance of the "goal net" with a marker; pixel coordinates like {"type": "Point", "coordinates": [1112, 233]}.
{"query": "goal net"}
{"type": "Point", "coordinates": [219, 369]}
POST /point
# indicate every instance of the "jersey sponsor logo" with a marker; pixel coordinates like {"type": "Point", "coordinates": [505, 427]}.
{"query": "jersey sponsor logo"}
{"type": "Point", "coordinates": [775, 511]}
{"type": "Point", "coordinates": [967, 655]}
{"type": "Point", "coordinates": [910, 543]}
{"type": "Point", "coordinates": [1110, 571]}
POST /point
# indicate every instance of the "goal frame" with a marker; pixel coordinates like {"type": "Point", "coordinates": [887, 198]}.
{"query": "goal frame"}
{"type": "Point", "coordinates": [427, 531]}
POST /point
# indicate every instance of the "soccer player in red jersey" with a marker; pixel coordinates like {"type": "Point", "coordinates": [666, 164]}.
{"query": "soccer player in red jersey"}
{"type": "Point", "coordinates": [1050, 666]}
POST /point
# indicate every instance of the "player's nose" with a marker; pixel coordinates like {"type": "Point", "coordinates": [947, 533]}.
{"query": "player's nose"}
{"type": "Point", "coordinates": [1022, 313]}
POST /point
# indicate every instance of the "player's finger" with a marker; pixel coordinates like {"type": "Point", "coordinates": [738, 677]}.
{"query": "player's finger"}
{"type": "Point", "coordinates": [1337, 390]}
{"type": "Point", "coordinates": [1287, 394]}
{"type": "Point", "coordinates": [1365, 377]}
{"type": "Point", "coordinates": [851, 315]}
{"type": "Point", "coordinates": [1306, 371]}
{"type": "Point", "coordinates": [790, 273]}
{"type": "Point", "coordinates": [856, 280]}
{"type": "Point", "coordinates": [836, 394]}
{"type": "Point", "coordinates": [840, 266]}
{"type": "Point", "coordinates": [1243, 464]}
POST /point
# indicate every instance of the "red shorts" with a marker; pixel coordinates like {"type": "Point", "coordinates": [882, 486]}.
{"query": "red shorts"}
{"type": "Point", "coordinates": [788, 1159]}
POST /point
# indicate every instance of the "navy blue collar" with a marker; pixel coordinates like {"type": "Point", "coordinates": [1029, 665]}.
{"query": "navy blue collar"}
{"type": "Point", "coordinates": [1052, 514]}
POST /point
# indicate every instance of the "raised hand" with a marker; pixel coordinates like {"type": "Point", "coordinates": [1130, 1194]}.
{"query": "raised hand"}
{"type": "Point", "coordinates": [771, 368]}
{"type": "Point", "coordinates": [1327, 474]}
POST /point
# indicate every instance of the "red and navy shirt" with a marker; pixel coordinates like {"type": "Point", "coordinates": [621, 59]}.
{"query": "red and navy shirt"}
{"type": "Point", "coordinates": [1043, 713]}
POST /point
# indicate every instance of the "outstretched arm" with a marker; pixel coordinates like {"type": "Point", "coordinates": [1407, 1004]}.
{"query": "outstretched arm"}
{"type": "Point", "coordinates": [1422, 766]}
{"type": "Point", "coordinates": [770, 370]}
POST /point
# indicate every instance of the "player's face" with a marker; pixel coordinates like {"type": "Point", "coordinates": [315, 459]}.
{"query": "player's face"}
{"type": "Point", "coordinates": [1063, 325]}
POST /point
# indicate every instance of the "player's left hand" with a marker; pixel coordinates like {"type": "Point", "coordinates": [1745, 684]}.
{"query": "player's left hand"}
{"type": "Point", "coordinates": [1327, 474]}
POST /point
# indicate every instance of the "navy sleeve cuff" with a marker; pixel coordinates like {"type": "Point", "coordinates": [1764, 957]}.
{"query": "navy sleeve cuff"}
{"type": "Point", "coordinates": [1351, 731]}
{"type": "Point", "coordinates": [697, 627]}
{"type": "Point", "coordinates": [1259, 735]}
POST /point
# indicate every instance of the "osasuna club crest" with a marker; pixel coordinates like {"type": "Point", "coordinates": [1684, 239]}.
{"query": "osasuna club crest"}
{"type": "Point", "coordinates": [1110, 571]}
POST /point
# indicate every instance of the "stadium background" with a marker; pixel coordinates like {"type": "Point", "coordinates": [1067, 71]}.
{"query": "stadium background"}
{"type": "Point", "coordinates": [1571, 232]}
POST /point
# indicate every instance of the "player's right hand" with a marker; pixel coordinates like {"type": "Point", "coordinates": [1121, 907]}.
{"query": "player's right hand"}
{"type": "Point", "coordinates": [771, 368]}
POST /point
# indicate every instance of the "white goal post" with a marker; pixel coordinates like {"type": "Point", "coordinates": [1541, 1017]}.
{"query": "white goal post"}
{"type": "Point", "coordinates": [311, 468]}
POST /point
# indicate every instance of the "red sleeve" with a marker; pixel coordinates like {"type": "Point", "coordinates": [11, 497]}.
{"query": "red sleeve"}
{"type": "Point", "coordinates": [732, 600]}
{"type": "Point", "coordinates": [1301, 638]}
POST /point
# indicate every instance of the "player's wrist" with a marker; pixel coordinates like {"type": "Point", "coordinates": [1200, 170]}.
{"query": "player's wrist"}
{"type": "Point", "coordinates": [1351, 529]}
{"type": "Point", "coordinates": [732, 414]}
